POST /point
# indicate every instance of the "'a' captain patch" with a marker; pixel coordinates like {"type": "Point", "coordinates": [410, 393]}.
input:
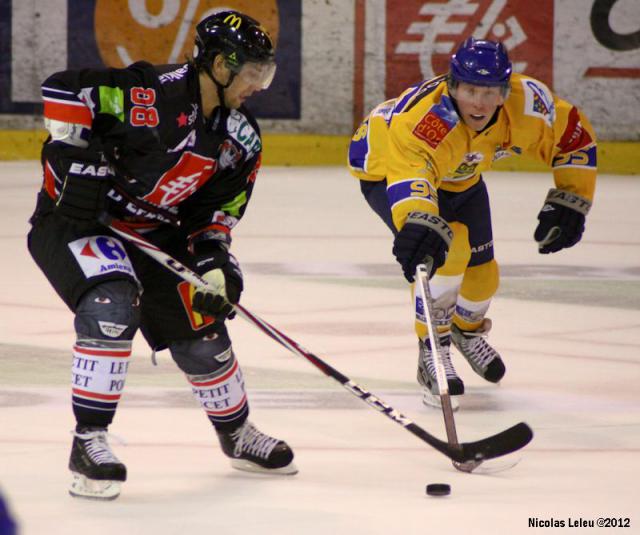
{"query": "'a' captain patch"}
{"type": "Point", "coordinates": [437, 123]}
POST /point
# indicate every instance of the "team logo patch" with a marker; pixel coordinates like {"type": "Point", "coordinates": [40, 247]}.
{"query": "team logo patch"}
{"type": "Point", "coordinates": [197, 321]}
{"type": "Point", "coordinates": [182, 180]}
{"type": "Point", "coordinates": [538, 101]}
{"type": "Point", "coordinates": [468, 166]}
{"type": "Point", "coordinates": [230, 155]}
{"type": "Point", "coordinates": [437, 123]}
{"type": "Point", "coordinates": [101, 255]}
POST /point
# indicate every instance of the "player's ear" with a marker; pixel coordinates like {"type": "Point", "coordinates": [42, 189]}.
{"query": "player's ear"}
{"type": "Point", "coordinates": [219, 68]}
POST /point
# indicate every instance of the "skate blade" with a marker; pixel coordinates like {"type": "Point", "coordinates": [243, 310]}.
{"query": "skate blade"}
{"type": "Point", "coordinates": [94, 489]}
{"type": "Point", "coordinates": [248, 466]}
{"type": "Point", "coordinates": [495, 466]}
{"type": "Point", "coordinates": [433, 401]}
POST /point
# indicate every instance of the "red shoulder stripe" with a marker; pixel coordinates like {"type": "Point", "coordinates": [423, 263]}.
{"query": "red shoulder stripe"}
{"type": "Point", "coordinates": [68, 113]}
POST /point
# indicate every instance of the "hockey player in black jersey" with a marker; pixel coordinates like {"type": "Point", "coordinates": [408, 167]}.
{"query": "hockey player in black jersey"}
{"type": "Point", "coordinates": [171, 151]}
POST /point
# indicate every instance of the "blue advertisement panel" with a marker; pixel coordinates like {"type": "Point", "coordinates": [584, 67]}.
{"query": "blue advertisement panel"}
{"type": "Point", "coordinates": [115, 33]}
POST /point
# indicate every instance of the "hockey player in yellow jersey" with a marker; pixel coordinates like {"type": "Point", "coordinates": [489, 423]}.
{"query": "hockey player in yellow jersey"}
{"type": "Point", "coordinates": [420, 159]}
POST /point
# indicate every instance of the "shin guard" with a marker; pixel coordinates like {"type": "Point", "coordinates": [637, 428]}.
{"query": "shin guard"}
{"type": "Point", "coordinates": [107, 318]}
{"type": "Point", "coordinates": [215, 377]}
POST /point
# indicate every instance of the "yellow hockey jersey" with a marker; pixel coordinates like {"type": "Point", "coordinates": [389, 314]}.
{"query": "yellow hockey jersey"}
{"type": "Point", "coordinates": [419, 143]}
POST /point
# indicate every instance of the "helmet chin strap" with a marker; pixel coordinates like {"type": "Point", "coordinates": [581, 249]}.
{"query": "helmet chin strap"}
{"type": "Point", "coordinates": [219, 86]}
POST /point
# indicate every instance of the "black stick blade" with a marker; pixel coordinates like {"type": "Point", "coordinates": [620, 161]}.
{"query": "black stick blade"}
{"type": "Point", "coordinates": [503, 443]}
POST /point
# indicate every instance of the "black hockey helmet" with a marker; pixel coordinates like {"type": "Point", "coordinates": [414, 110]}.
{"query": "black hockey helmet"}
{"type": "Point", "coordinates": [240, 39]}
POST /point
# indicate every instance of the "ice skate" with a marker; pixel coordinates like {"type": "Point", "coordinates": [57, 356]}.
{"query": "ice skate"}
{"type": "Point", "coordinates": [484, 360]}
{"type": "Point", "coordinates": [97, 472]}
{"type": "Point", "coordinates": [433, 400]}
{"type": "Point", "coordinates": [252, 451]}
{"type": "Point", "coordinates": [427, 374]}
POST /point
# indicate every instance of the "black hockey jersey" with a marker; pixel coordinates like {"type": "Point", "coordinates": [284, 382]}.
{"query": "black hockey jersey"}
{"type": "Point", "coordinates": [143, 128]}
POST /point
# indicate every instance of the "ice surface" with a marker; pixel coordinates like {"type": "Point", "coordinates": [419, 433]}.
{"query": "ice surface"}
{"type": "Point", "coordinates": [318, 266]}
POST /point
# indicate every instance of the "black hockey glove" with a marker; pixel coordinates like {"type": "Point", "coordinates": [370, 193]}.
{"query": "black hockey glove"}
{"type": "Point", "coordinates": [561, 221]}
{"type": "Point", "coordinates": [85, 186]}
{"type": "Point", "coordinates": [222, 271]}
{"type": "Point", "coordinates": [423, 237]}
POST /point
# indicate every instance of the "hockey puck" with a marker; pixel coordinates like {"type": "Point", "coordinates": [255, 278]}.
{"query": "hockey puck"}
{"type": "Point", "coordinates": [438, 489]}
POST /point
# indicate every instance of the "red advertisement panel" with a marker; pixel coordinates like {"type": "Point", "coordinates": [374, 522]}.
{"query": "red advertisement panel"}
{"type": "Point", "coordinates": [422, 35]}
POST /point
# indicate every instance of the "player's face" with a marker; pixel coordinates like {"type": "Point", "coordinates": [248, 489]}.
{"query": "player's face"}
{"type": "Point", "coordinates": [251, 78]}
{"type": "Point", "coordinates": [477, 104]}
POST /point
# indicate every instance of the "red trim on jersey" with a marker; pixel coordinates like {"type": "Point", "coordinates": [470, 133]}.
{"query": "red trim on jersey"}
{"type": "Point", "coordinates": [68, 113]}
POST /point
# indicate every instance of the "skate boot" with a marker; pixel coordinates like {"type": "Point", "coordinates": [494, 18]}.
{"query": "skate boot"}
{"type": "Point", "coordinates": [97, 472]}
{"type": "Point", "coordinates": [484, 360]}
{"type": "Point", "coordinates": [252, 451]}
{"type": "Point", "coordinates": [427, 373]}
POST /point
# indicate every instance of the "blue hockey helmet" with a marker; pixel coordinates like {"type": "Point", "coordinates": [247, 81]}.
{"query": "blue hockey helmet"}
{"type": "Point", "coordinates": [480, 62]}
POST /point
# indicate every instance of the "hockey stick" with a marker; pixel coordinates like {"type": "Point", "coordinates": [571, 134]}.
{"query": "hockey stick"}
{"type": "Point", "coordinates": [507, 441]}
{"type": "Point", "coordinates": [422, 281]}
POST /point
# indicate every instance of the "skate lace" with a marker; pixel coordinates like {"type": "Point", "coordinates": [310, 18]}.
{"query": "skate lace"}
{"type": "Point", "coordinates": [249, 440]}
{"type": "Point", "coordinates": [477, 349]}
{"type": "Point", "coordinates": [445, 357]}
{"type": "Point", "coordinates": [96, 445]}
